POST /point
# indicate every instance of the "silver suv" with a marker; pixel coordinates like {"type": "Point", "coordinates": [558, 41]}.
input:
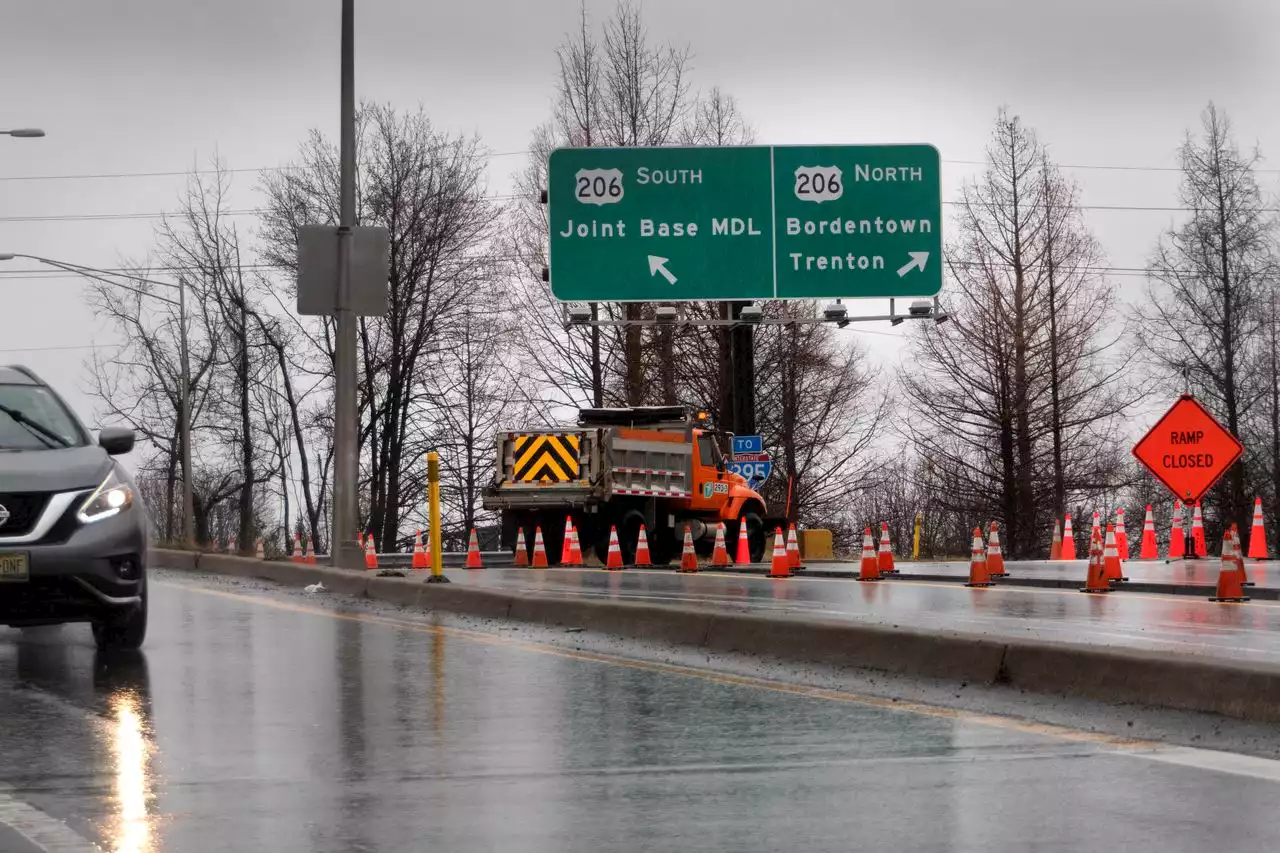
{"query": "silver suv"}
{"type": "Point", "coordinates": [73, 531]}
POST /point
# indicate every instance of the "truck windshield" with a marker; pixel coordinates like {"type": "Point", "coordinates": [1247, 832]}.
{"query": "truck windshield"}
{"type": "Point", "coordinates": [708, 452]}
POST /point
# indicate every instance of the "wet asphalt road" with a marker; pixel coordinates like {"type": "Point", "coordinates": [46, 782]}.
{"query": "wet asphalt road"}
{"type": "Point", "coordinates": [266, 721]}
{"type": "Point", "coordinates": [1182, 623]}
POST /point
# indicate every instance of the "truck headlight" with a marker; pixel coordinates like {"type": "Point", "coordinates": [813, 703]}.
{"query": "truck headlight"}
{"type": "Point", "coordinates": [113, 497]}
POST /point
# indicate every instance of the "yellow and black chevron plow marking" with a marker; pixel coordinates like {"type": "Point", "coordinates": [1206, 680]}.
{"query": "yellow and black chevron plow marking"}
{"type": "Point", "coordinates": [546, 458]}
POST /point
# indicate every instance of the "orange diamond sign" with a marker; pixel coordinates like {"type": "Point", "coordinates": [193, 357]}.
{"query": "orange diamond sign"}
{"type": "Point", "coordinates": [1188, 450]}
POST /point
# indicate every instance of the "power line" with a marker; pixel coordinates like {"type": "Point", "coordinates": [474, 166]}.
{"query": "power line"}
{"type": "Point", "coordinates": [185, 172]}
{"type": "Point", "coordinates": [265, 169]}
{"type": "Point", "coordinates": [56, 348]}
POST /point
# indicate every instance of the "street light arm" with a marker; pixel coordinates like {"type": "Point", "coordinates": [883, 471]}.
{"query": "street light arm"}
{"type": "Point", "coordinates": [91, 272]}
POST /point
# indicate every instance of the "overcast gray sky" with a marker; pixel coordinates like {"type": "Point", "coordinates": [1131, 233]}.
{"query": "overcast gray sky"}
{"type": "Point", "coordinates": [159, 85]}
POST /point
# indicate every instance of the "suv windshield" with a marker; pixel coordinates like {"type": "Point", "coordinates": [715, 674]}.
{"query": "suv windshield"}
{"type": "Point", "coordinates": [37, 404]}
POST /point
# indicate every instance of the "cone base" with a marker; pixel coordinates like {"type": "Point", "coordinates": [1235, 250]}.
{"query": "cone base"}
{"type": "Point", "coordinates": [998, 574]}
{"type": "Point", "coordinates": [686, 571]}
{"type": "Point", "coordinates": [1231, 600]}
{"type": "Point", "coordinates": [1093, 591]}
{"type": "Point", "coordinates": [436, 579]}
{"type": "Point", "coordinates": [890, 572]}
{"type": "Point", "coordinates": [866, 580]}
{"type": "Point", "coordinates": [988, 583]}
{"type": "Point", "coordinates": [614, 568]}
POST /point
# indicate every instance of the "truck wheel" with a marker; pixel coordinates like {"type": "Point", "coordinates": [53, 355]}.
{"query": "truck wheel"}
{"type": "Point", "coordinates": [757, 537]}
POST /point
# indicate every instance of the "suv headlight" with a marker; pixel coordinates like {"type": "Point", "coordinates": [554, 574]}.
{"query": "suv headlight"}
{"type": "Point", "coordinates": [113, 497]}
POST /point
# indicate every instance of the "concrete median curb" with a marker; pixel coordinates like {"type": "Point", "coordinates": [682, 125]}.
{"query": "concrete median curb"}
{"type": "Point", "coordinates": [1234, 689]}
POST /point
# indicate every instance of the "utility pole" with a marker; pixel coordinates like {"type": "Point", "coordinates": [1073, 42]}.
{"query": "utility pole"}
{"type": "Point", "coordinates": [344, 549]}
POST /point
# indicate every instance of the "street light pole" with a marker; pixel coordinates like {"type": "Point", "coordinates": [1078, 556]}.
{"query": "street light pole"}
{"type": "Point", "coordinates": [345, 549]}
{"type": "Point", "coordinates": [184, 390]}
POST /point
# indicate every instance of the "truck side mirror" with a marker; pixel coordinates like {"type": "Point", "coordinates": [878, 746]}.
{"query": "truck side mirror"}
{"type": "Point", "coordinates": [720, 466]}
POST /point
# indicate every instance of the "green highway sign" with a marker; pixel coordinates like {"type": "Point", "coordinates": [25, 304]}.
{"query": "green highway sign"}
{"type": "Point", "coordinates": [749, 223]}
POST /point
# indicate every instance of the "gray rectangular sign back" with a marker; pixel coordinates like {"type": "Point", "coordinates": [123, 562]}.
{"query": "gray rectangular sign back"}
{"type": "Point", "coordinates": [318, 270]}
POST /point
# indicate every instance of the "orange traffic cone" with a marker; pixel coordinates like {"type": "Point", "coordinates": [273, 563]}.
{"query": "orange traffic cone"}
{"type": "Point", "coordinates": [689, 558]}
{"type": "Point", "coordinates": [1149, 549]}
{"type": "Point", "coordinates": [615, 552]}
{"type": "Point", "coordinates": [781, 565]}
{"type": "Point", "coordinates": [743, 557]}
{"type": "Point", "coordinates": [233, 547]}
{"type": "Point", "coordinates": [473, 552]}
{"type": "Point", "coordinates": [870, 568]}
{"type": "Point", "coordinates": [260, 550]}
{"type": "Point", "coordinates": [995, 557]}
{"type": "Point", "coordinates": [642, 548]}
{"type": "Point", "coordinates": [297, 550]}
{"type": "Point", "coordinates": [1197, 533]}
{"type": "Point", "coordinates": [570, 552]}
{"type": "Point", "coordinates": [1237, 555]}
{"type": "Point", "coordinates": [720, 556]}
{"type": "Point", "coordinates": [1177, 534]}
{"type": "Point", "coordinates": [370, 555]}
{"type": "Point", "coordinates": [1111, 557]}
{"type": "Point", "coordinates": [884, 556]}
{"type": "Point", "coordinates": [1068, 540]}
{"type": "Point", "coordinates": [1095, 580]}
{"type": "Point", "coordinates": [539, 549]}
{"type": "Point", "coordinates": [1097, 525]}
{"type": "Point", "coordinates": [1055, 547]}
{"type": "Point", "coordinates": [1257, 533]}
{"type": "Point", "coordinates": [310, 558]}
{"type": "Point", "coordinates": [1122, 537]}
{"type": "Point", "coordinates": [978, 575]}
{"type": "Point", "coordinates": [793, 549]}
{"type": "Point", "coordinates": [522, 550]}
{"type": "Point", "coordinates": [420, 560]}
{"type": "Point", "coordinates": [1230, 587]}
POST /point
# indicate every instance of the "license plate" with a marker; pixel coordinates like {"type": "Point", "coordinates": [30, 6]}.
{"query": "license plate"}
{"type": "Point", "coordinates": [14, 568]}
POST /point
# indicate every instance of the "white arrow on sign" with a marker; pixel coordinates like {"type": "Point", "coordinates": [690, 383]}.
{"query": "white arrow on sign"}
{"type": "Point", "coordinates": [659, 265]}
{"type": "Point", "coordinates": [917, 262]}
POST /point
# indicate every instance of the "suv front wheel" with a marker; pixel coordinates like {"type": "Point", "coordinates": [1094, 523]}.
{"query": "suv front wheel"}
{"type": "Point", "coordinates": [124, 631]}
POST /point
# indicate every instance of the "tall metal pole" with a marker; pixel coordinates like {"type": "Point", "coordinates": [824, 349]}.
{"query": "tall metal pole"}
{"type": "Point", "coordinates": [344, 549]}
{"type": "Point", "coordinates": [188, 502]}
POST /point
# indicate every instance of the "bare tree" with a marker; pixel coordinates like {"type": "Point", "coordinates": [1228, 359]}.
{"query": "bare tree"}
{"type": "Point", "coordinates": [1021, 388]}
{"type": "Point", "coordinates": [428, 189]}
{"type": "Point", "coordinates": [1210, 277]}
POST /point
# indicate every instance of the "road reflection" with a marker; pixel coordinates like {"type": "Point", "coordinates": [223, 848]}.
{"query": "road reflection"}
{"type": "Point", "coordinates": [123, 685]}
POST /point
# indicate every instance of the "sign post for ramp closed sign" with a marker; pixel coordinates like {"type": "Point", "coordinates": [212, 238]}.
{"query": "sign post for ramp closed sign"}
{"type": "Point", "coordinates": [1188, 450]}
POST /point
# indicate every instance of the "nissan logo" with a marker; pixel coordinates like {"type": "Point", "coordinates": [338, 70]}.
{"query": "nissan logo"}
{"type": "Point", "coordinates": [4, 515]}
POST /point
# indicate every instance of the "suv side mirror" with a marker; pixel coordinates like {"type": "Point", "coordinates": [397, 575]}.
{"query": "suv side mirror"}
{"type": "Point", "coordinates": [117, 441]}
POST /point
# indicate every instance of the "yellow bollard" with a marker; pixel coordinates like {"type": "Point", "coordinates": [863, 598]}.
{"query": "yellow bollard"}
{"type": "Point", "coordinates": [433, 518]}
{"type": "Point", "coordinates": [915, 538]}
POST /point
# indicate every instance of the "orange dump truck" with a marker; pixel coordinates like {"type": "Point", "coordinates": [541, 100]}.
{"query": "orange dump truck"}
{"type": "Point", "coordinates": [658, 466]}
